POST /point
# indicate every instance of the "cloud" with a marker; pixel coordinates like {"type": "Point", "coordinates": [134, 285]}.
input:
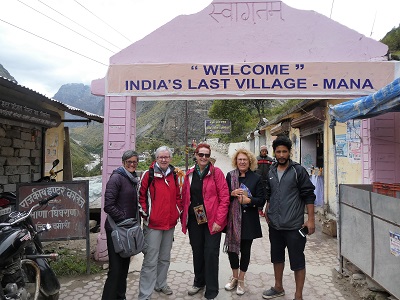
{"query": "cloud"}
{"type": "Point", "coordinates": [43, 66]}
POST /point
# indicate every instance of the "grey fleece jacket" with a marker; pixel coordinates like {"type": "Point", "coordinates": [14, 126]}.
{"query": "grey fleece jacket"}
{"type": "Point", "coordinates": [288, 197]}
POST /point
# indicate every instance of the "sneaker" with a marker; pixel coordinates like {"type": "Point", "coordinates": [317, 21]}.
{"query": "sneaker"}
{"type": "Point", "coordinates": [240, 288]}
{"type": "Point", "coordinates": [194, 290]}
{"type": "Point", "coordinates": [231, 284]}
{"type": "Point", "coordinates": [272, 293]}
{"type": "Point", "coordinates": [165, 289]}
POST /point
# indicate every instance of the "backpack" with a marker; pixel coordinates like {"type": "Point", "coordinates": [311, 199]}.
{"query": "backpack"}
{"type": "Point", "coordinates": [151, 176]}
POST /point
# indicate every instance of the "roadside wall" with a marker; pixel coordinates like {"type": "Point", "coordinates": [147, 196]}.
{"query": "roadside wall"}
{"type": "Point", "coordinates": [228, 149]}
{"type": "Point", "coordinates": [20, 155]}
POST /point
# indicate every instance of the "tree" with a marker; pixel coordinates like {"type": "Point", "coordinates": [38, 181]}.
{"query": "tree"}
{"type": "Point", "coordinates": [237, 111]}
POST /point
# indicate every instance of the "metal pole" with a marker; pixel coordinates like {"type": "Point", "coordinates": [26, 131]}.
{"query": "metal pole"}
{"type": "Point", "coordinates": [338, 227]}
{"type": "Point", "coordinates": [186, 136]}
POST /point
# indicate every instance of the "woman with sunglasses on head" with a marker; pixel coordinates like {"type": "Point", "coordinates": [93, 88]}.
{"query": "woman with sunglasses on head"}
{"type": "Point", "coordinates": [120, 203]}
{"type": "Point", "coordinates": [247, 194]}
{"type": "Point", "coordinates": [205, 198]}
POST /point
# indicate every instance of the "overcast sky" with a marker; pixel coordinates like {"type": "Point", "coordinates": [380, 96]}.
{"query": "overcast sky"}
{"type": "Point", "coordinates": [102, 28]}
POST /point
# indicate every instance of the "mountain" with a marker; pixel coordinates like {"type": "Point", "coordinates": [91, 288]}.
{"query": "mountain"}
{"type": "Point", "coordinates": [4, 73]}
{"type": "Point", "coordinates": [78, 95]}
{"type": "Point", "coordinates": [164, 119]}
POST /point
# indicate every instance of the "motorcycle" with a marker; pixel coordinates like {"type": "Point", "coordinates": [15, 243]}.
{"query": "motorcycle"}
{"type": "Point", "coordinates": [24, 269]}
{"type": "Point", "coordinates": [53, 174]}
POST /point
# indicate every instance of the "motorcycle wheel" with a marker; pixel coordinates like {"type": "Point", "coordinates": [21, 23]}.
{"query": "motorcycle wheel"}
{"type": "Point", "coordinates": [31, 276]}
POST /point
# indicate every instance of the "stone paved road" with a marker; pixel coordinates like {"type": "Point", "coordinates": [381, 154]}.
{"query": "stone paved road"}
{"type": "Point", "coordinates": [320, 279]}
{"type": "Point", "coordinates": [320, 255]}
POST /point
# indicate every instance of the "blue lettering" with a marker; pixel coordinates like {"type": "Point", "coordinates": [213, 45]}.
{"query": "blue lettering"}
{"type": "Point", "coordinates": [329, 85]}
{"type": "Point", "coordinates": [271, 70]}
{"type": "Point", "coordinates": [276, 83]}
{"type": "Point", "coordinates": [177, 84]}
{"type": "Point", "coordinates": [261, 71]}
{"type": "Point", "coordinates": [162, 85]}
{"type": "Point", "coordinates": [224, 70]}
{"type": "Point", "coordinates": [240, 84]}
{"type": "Point", "coordinates": [190, 85]}
{"type": "Point", "coordinates": [284, 69]}
{"type": "Point", "coordinates": [242, 70]}
{"type": "Point", "coordinates": [225, 81]}
{"type": "Point", "coordinates": [210, 69]}
{"type": "Point", "coordinates": [350, 84]}
{"type": "Point", "coordinates": [253, 84]}
{"type": "Point", "coordinates": [246, 69]}
{"type": "Point", "coordinates": [146, 85]}
{"type": "Point", "coordinates": [301, 83]}
{"type": "Point", "coordinates": [214, 84]}
{"type": "Point", "coordinates": [203, 83]}
{"type": "Point", "coordinates": [134, 85]}
{"type": "Point", "coordinates": [367, 84]}
{"type": "Point", "coordinates": [233, 70]}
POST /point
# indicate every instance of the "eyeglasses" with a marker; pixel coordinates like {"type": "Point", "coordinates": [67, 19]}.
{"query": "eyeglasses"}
{"type": "Point", "coordinates": [129, 162]}
{"type": "Point", "coordinates": [207, 155]}
{"type": "Point", "coordinates": [163, 157]}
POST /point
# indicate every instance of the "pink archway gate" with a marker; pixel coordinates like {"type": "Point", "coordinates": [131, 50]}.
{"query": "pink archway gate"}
{"type": "Point", "coordinates": [236, 49]}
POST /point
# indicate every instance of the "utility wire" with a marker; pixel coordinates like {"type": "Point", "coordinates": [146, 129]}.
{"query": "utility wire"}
{"type": "Point", "coordinates": [66, 27]}
{"type": "Point", "coordinates": [79, 25]}
{"type": "Point", "coordinates": [103, 21]}
{"type": "Point", "coordinates": [373, 25]}
{"type": "Point", "coordinates": [54, 43]}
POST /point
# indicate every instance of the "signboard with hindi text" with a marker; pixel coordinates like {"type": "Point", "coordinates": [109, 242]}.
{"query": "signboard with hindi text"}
{"type": "Point", "coordinates": [68, 214]}
{"type": "Point", "coordinates": [217, 126]}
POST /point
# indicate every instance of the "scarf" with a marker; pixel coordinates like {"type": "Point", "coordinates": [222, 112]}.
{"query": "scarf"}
{"type": "Point", "coordinates": [234, 226]}
{"type": "Point", "coordinates": [132, 176]}
{"type": "Point", "coordinates": [205, 171]}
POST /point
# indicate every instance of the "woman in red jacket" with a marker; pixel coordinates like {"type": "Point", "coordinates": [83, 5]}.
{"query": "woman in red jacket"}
{"type": "Point", "coordinates": [205, 199]}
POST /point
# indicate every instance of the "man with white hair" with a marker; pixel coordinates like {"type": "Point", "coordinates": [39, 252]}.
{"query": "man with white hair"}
{"type": "Point", "coordinates": [160, 207]}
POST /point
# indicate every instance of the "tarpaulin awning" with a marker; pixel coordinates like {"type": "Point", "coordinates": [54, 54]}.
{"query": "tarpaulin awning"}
{"type": "Point", "coordinates": [385, 100]}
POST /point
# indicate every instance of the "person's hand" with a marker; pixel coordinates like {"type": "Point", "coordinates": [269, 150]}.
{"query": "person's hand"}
{"type": "Point", "coordinates": [216, 227]}
{"type": "Point", "coordinates": [310, 225]}
{"type": "Point", "coordinates": [266, 216]}
{"type": "Point", "coordinates": [237, 193]}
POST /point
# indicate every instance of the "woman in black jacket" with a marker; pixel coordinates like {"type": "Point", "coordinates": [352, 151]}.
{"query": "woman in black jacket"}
{"type": "Point", "coordinates": [120, 203]}
{"type": "Point", "coordinates": [247, 194]}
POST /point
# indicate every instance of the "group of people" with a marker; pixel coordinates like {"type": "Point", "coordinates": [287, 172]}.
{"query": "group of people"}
{"type": "Point", "coordinates": [209, 204]}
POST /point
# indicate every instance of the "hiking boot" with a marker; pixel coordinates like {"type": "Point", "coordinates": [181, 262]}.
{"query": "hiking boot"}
{"type": "Point", "coordinates": [194, 290]}
{"type": "Point", "coordinates": [165, 289]}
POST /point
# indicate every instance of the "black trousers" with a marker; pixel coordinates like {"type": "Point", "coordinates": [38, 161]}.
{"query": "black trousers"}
{"type": "Point", "coordinates": [115, 285]}
{"type": "Point", "coordinates": [245, 250]}
{"type": "Point", "coordinates": [205, 247]}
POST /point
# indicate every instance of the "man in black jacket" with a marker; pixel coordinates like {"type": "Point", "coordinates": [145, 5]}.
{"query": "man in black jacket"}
{"type": "Point", "coordinates": [289, 190]}
{"type": "Point", "coordinates": [263, 164]}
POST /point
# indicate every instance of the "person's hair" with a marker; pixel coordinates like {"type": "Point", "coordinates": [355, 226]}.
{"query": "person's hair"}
{"type": "Point", "coordinates": [128, 154]}
{"type": "Point", "coordinates": [163, 148]}
{"type": "Point", "coordinates": [202, 145]}
{"type": "Point", "coordinates": [250, 156]}
{"type": "Point", "coordinates": [282, 140]}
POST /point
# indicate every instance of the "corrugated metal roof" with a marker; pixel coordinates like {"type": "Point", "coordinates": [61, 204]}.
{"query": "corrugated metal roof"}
{"type": "Point", "coordinates": [33, 95]}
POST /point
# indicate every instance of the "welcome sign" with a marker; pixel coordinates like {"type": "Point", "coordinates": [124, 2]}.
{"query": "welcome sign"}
{"type": "Point", "coordinates": [313, 78]}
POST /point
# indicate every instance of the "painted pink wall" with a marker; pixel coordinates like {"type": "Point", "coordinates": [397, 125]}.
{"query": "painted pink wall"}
{"type": "Point", "coordinates": [283, 34]}
{"type": "Point", "coordinates": [383, 134]}
{"type": "Point", "coordinates": [119, 136]}
{"type": "Point", "coordinates": [286, 36]}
